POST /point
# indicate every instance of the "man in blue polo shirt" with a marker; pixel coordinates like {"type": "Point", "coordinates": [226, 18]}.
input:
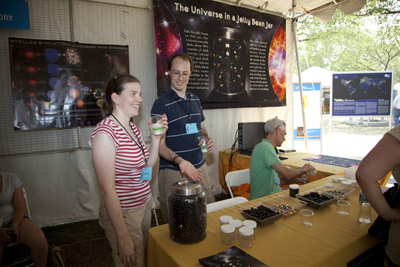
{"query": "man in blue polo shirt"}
{"type": "Point", "coordinates": [180, 155]}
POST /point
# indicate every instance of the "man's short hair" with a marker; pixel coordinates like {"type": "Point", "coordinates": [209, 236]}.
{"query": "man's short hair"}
{"type": "Point", "coordinates": [183, 56]}
{"type": "Point", "coordinates": [272, 124]}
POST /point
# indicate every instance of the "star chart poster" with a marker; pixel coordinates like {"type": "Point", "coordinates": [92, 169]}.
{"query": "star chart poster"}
{"type": "Point", "coordinates": [239, 54]}
{"type": "Point", "coordinates": [362, 93]}
{"type": "Point", "coordinates": [60, 84]}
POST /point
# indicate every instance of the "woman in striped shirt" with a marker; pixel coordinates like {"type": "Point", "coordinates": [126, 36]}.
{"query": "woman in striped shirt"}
{"type": "Point", "coordinates": [122, 165]}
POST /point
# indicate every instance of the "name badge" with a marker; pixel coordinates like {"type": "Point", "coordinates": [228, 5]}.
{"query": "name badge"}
{"type": "Point", "coordinates": [146, 174]}
{"type": "Point", "coordinates": [277, 180]}
{"type": "Point", "coordinates": [191, 128]}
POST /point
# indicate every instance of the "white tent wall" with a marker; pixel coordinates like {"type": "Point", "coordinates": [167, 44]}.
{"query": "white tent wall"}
{"type": "Point", "coordinates": [62, 186]}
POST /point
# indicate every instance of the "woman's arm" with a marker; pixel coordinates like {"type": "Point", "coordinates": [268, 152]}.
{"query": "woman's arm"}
{"type": "Point", "coordinates": [103, 154]}
{"type": "Point", "coordinates": [19, 212]}
{"type": "Point", "coordinates": [379, 161]}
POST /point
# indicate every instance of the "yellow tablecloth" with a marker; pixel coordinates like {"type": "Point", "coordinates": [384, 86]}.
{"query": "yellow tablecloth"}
{"type": "Point", "coordinates": [333, 240]}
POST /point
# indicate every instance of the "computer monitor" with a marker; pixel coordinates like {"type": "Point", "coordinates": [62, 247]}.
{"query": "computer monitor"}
{"type": "Point", "coordinates": [250, 134]}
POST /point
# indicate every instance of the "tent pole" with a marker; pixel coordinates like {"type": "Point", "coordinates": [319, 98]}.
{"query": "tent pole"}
{"type": "Point", "coordinates": [299, 73]}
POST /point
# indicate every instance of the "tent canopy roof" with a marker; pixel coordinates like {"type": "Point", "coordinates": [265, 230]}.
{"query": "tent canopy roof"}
{"type": "Point", "coordinates": [321, 9]}
{"type": "Point", "coordinates": [315, 75]}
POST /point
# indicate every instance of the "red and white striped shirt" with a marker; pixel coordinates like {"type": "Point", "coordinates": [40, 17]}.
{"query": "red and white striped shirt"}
{"type": "Point", "coordinates": [129, 162]}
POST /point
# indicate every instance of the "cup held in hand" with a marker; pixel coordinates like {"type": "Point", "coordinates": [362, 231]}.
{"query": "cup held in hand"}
{"type": "Point", "coordinates": [203, 145]}
{"type": "Point", "coordinates": [156, 125]}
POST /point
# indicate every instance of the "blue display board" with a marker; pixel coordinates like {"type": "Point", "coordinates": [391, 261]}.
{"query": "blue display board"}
{"type": "Point", "coordinates": [362, 93]}
{"type": "Point", "coordinates": [312, 110]}
{"type": "Point", "coordinates": [14, 14]}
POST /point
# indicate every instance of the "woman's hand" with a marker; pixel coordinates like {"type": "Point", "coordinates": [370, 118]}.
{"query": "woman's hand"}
{"type": "Point", "coordinates": [126, 250]}
{"type": "Point", "coordinates": [15, 228]}
{"type": "Point", "coordinates": [4, 237]}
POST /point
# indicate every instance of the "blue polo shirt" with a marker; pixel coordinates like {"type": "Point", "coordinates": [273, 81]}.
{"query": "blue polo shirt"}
{"type": "Point", "coordinates": [180, 112]}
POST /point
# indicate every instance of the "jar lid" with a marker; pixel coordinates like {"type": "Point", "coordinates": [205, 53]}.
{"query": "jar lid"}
{"type": "Point", "coordinates": [229, 33]}
{"type": "Point", "coordinates": [236, 223]}
{"type": "Point", "coordinates": [328, 185]}
{"type": "Point", "coordinates": [342, 179]}
{"type": "Point", "coordinates": [225, 219]}
{"type": "Point", "coordinates": [246, 231]}
{"type": "Point", "coordinates": [346, 183]}
{"type": "Point", "coordinates": [227, 229]}
{"type": "Point", "coordinates": [335, 179]}
{"type": "Point", "coordinates": [186, 188]}
{"type": "Point", "coordinates": [294, 186]}
{"type": "Point", "coordinates": [250, 223]}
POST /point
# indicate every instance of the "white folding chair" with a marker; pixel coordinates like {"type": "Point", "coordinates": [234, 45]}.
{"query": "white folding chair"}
{"type": "Point", "coordinates": [19, 261]}
{"type": "Point", "coordinates": [225, 203]}
{"type": "Point", "coordinates": [237, 178]}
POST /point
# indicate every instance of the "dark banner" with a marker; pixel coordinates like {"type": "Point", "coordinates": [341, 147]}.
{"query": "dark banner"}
{"type": "Point", "coordinates": [60, 84]}
{"type": "Point", "coordinates": [361, 93]}
{"type": "Point", "coordinates": [239, 54]}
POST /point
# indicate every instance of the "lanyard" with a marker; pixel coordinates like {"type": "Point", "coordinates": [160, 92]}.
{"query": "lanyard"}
{"type": "Point", "coordinates": [190, 106]}
{"type": "Point", "coordinates": [141, 148]}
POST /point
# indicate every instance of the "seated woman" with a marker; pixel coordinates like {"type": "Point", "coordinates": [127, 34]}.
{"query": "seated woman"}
{"type": "Point", "coordinates": [15, 225]}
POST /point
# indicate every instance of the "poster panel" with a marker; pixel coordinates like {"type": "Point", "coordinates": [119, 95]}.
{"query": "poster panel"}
{"type": "Point", "coordinates": [60, 84]}
{"type": "Point", "coordinates": [312, 111]}
{"type": "Point", "coordinates": [239, 54]}
{"type": "Point", "coordinates": [14, 14]}
{"type": "Point", "coordinates": [362, 93]}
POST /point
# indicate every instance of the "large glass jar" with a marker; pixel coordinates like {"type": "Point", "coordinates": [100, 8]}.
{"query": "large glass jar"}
{"type": "Point", "coordinates": [187, 213]}
{"type": "Point", "coordinates": [229, 61]}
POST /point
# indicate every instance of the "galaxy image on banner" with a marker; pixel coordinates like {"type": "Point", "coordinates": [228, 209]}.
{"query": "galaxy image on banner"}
{"type": "Point", "coordinates": [239, 54]}
{"type": "Point", "coordinates": [60, 84]}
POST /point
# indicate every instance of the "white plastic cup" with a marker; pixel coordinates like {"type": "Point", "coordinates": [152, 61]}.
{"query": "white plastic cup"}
{"type": "Point", "coordinates": [156, 125]}
{"type": "Point", "coordinates": [225, 219]}
{"type": "Point", "coordinates": [343, 207]}
{"type": "Point", "coordinates": [227, 234]}
{"type": "Point", "coordinates": [203, 145]}
{"type": "Point", "coordinates": [306, 217]}
{"type": "Point", "coordinates": [364, 215]}
{"type": "Point", "coordinates": [246, 237]}
{"type": "Point", "coordinates": [312, 173]}
{"type": "Point", "coordinates": [237, 224]}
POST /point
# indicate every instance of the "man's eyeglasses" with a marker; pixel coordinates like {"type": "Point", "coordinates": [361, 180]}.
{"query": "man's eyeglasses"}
{"type": "Point", "coordinates": [176, 74]}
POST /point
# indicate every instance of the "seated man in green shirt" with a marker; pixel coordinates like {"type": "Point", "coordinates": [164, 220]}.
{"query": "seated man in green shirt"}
{"type": "Point", "coordinates": [265, 164]}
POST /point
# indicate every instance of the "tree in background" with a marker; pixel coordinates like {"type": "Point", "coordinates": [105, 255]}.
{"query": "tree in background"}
{"type": "Point", "coordinates": [368, 40]}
